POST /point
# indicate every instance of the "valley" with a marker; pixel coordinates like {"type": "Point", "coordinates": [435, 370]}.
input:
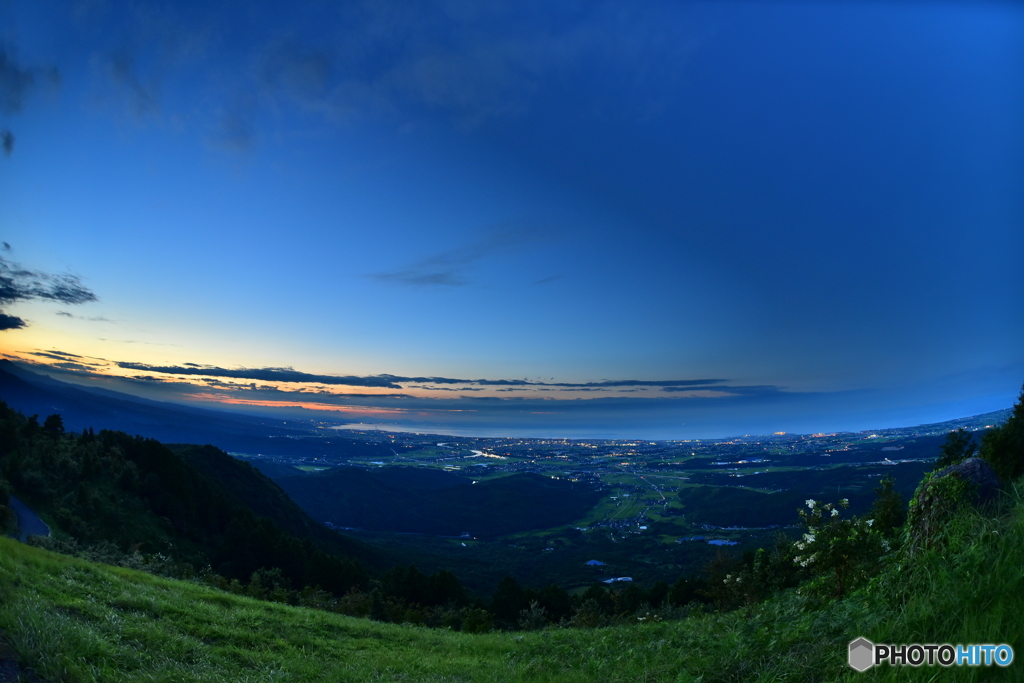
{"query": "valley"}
{"type": "Point", "coordinates": [567, 511]}
{"type": "Point", "coordinates": [653, 509]}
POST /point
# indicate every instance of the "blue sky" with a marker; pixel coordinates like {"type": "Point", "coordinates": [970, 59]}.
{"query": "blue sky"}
{"type": "Point", "coordinates": [655, 219]}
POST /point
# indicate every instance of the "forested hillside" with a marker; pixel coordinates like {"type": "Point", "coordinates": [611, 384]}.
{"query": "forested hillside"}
{"type": "Point", "coordinates": [139, 495]}
{"type": "Point", "coordinates": [416, 500]}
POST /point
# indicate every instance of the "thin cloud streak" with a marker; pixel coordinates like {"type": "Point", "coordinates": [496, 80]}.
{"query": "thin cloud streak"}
{"type": "Point", "coordinates": [450, 268]}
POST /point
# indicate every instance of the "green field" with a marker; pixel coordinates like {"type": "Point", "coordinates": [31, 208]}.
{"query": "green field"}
{"type": "Point", "coordinates": [74, 621]}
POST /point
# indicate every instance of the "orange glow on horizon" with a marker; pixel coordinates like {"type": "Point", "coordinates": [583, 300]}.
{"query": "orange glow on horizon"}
{"type": "Point", "coordinates": [309, 405]}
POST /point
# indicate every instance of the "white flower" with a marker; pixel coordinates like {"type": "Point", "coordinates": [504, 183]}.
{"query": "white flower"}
{"type": "Point", "coordinates": [845, 501]}
{"type": "Point", "coordinates": [799, 545]}
{"type": "Point", "coordinates": [811, 503]}
{"type": "Point", "coordinates": [739, 579]}
{"type": "Point", "coordinates": [870, 522]}
{"type": "Point", "coordinates": [835, 513]}
{"type": "Point", "coordinates": [809, 538]}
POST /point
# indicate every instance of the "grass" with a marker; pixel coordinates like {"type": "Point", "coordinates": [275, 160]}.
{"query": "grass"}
{"type": "Point", "coordinates": [74, 621]}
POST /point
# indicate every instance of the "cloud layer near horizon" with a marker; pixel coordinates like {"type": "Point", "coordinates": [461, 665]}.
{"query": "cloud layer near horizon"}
{"type": "Point", "coordinates": [388, 381]}
{"type": "Point", "coordinates": [766, 409]}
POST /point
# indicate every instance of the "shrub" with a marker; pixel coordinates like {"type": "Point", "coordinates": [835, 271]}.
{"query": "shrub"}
{"type": "Point", "coordinates": [842, 551]}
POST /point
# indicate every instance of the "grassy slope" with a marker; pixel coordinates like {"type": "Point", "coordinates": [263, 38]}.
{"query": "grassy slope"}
{"type": "Point", "coordinates": [76, 621]}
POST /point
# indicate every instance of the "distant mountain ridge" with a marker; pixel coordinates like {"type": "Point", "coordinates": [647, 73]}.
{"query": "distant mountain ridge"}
{"type": "Point", "coordinates": [81, 408]}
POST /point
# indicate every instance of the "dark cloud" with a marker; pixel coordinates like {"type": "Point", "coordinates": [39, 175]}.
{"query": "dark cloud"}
{"type": "Point", "coordinates": [217, 383]}
{"type": "Point", "coordinates": [691, 384]}
{"type": "Point", "coordinates": [265, 374]}
{"type": "Point", "coordinates": [67, 354]}
{"type": "Point", "coordinates": [57, 355]}
{"type": "Point", "coordinates": [19, 284]}
{"type": "Point", "coordinates": [414, 386]}
{"type": "Point", "coordinates": [17, 81]}
{"type": "Point", "coordinates": [73, 367]}
{"type": "Point", "coordinates": [396, 382]}
{"type": "Point", "coordinates": [124, 72]}
{"type": "Point", "coordinates": [397, 62]}
{"type": "Point", "coordinates": [430, 383]}
{"type": "Point", "coordinates": [11, 322]}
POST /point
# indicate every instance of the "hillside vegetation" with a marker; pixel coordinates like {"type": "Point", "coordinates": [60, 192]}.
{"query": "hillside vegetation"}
{"type": "Point", "coordinates": [138, 495]}
{"type": "Point", "coordinates": [786, 613]}
{"type": "Point", "coordinates": [72, 620]}
{"type": "Point", "coordinates": [419, 500]}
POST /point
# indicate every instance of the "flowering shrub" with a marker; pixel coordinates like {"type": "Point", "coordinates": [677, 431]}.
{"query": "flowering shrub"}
{"type": "Point", "coordinates": [837, 549]}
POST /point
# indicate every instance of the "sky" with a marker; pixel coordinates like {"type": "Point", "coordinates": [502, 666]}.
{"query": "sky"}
{"type": "Point", "coordinates": [585, 219]}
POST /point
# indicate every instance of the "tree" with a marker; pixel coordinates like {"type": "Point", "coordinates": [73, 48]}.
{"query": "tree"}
{"type": "Point", "coordinates": [685, 590]}
{"type": "Point", "coordinates": [888, 510]}
{"type": "Point", "coordinates": [54, 424]}
{"type": "Point", "coordinates": [508, 601]}
{"type": "Point", "coordinates": [1003, 447]}
{"type": "Point", "coordinates": [446, 589]}
{"type": "Point", "coordinates": [556, 602]}
{"type": "Point", "coordinates": [958, 447]}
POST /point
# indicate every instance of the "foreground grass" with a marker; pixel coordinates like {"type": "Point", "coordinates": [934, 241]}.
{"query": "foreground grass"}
{"type": "Point", "coordinates": [75, 621]}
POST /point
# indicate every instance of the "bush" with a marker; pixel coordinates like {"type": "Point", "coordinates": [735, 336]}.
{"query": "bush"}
{"type": "Point", "coordinates": [843, 552]}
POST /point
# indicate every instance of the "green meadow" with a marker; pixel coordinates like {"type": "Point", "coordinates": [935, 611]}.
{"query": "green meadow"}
{"type": "Point", "coordinates": [74, 621]}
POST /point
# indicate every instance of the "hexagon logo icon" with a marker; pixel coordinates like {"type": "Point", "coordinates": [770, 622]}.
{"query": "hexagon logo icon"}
{"type": "Point", "coordinates": [862, 653]}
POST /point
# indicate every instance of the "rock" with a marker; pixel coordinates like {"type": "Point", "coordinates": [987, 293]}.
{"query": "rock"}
{"type": "Point", "coordinates": [977, 472]}
{"type": "Point", "coordinates": [971, 482]}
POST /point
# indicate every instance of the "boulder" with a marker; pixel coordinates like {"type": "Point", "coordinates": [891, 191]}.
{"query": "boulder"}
{"type": "Point", "coordinates": [971, 482]}
{"type": "Point", "coordinates": [979, 474]}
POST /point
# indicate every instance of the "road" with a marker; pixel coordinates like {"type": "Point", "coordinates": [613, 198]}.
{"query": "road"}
{"type": "Point", "coordinates": [29, 523]}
